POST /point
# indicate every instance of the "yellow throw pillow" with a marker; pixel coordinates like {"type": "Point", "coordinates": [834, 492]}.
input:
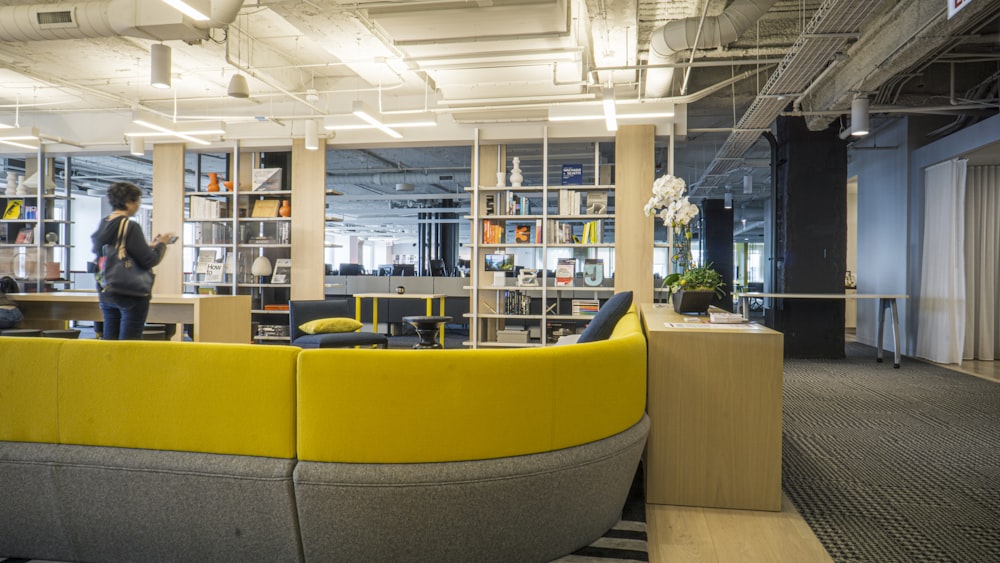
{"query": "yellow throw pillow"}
{"type": "Point", "coordinates": [333, 324]}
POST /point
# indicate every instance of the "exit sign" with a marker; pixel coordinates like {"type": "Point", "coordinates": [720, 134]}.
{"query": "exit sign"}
{"type": "Point", "coordinates": [955, 5]}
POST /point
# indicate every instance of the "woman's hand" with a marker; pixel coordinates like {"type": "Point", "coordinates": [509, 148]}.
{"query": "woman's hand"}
{"type": "Point", "coordinates": [165, 238]}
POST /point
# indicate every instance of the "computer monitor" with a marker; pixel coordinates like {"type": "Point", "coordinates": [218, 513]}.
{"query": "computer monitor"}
{"type": "Point", "coordinates": [351, 269]}
{"type": "Point", "coordinates": [385, 269]}
{"type": "Point", "coordinates": [404, 270]}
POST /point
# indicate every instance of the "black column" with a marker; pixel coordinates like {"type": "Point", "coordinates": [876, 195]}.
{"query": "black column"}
{"type": "Point", "coordinates": [811, 237]}
{"type": "Point", "coordinates": [718, 245]}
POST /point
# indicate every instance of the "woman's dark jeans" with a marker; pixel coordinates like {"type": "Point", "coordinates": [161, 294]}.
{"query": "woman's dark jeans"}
{"type": "Point", "coordinates": [124, 316]}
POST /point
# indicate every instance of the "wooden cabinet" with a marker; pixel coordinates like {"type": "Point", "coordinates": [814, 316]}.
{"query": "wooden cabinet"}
{"type": "Point", "coordinates": [714, 401]}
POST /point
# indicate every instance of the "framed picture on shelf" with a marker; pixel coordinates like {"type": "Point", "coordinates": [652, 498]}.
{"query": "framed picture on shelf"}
{"type": "Point", "coordinates": [282, 271]}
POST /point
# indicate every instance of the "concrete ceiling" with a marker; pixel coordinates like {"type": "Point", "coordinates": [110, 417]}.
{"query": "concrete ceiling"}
{"type": "Point", "coordinates": [496, 65]}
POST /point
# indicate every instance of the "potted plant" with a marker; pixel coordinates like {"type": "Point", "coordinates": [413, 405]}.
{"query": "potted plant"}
{"type": "Point", "coordinates": [693, 290]}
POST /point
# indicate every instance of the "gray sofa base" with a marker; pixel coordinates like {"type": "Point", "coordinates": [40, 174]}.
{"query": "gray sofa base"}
{"type": "Point", "coordinates": [528, 508]}
{"type": "Point", "coordinates": [119, 504]}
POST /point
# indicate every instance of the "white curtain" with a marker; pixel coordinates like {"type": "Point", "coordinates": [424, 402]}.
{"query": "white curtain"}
{"type": "Point", "coordinates": [982, 263]}
{"type": "Point", "coordinates": [941, 308]}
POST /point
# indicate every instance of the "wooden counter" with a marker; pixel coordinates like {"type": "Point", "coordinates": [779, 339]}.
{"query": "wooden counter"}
{"type": "Point", "coordinates": [216, 318]}
{"type": "Point", "coordinates": [714, 399]}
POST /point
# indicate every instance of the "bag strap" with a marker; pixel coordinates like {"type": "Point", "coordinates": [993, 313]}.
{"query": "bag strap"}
{"type": "Point", "coordinates": [122, 231]}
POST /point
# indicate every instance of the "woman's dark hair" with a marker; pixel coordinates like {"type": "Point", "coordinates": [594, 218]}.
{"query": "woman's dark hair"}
{"type": "Point", "coordinates": [121, 193]}
{"type": "Point", "coordinates": [9, 285]}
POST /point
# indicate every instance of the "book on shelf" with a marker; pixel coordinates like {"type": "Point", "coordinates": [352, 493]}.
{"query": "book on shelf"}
{"type": "Point", "coordinates": [276, 307]}
{"type": "Point", "coordinates": [265, 208]}
{"type": "Point", "coordinates": [203, 207]}
{"type": "Point", "coordinates": [585, 307]}
{"type": "Point", "coordinates": [214, 272]}
{"type": "Point", "coordinates": [591, 232]}
{"type": "Point", "coordinates": [522, 234]}
{"type": "Point", "coordinates": [13, 210]}
{"type": "Point", "coordinates": [25, 236]}
{"type": "Point", "coordinates": [516, 204]}
{"type": "Point", "coordinates": [491, 204]}
{"type": "Point", "coordinates": [560, 232]}
{"type": "Point", "coordinates": [207, 291]}
{"type": "Point", "coordinates": [205, 257]}
{"type": "Point", "coordinates": [282, 271]}
{"type": "Point", "coordinates": [493, 231]}
{"type": "Point", "coordinates": [569, 202]}
{"type": "Point", "coordinates": [565, 272]}
{"type": "Point", "coordinates": [597, 203]}
{"type": "Point", "coordinates": [572, 174]}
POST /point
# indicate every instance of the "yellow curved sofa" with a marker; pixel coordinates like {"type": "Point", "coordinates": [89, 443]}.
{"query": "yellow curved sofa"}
{"type": "Point", "coordinates": [116, 451]}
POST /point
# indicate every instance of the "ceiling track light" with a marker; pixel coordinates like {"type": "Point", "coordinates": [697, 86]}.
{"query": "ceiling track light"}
{"type": "Point", "coordinates": [159, 65]}
{"type": "Point", "coordinates": [859, 116]}
{"type": "Point", "coordinates": [360, 109]}
{"type": "Point", "coordinates": [608, 100]}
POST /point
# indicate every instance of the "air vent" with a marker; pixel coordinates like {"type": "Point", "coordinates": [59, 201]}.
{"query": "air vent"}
{"type": "Point", "coordinates": [56, 19]}
{"type": "Point", "coordinates": [442, 178]}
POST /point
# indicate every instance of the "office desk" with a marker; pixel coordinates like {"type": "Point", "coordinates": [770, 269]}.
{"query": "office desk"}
{"type": "Point", "coordinates": [429, 297]}
{"type": "Point", "coordinates": [885, 301]}
{"type": "Point", "coordinates": [714, 401]}
{"type": "Point", "coordinates": [216, 318]}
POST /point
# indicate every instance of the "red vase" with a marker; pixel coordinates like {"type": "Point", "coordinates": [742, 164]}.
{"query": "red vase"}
{"type": "Point", "coordinates": [286, 208]}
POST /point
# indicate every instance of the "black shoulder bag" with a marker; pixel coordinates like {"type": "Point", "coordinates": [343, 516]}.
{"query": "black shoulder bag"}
{"type": "Point", "coordinates": [118, 273]}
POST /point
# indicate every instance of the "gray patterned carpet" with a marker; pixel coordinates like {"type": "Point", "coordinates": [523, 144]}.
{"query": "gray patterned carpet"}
{"type": "Point", "coordinates": [893, 464]}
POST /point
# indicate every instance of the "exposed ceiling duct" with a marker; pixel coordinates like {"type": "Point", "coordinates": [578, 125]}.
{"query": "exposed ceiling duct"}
{"type": "Point", "coordinates": [145, 19]}
{"type": "Point", "coordinates": [697, 32]}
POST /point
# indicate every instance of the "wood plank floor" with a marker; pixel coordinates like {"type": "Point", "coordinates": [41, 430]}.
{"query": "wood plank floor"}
{"type": "Point", "coordinates": [713, 535]}
{"type": "Point", "coordinates": [707, 535]}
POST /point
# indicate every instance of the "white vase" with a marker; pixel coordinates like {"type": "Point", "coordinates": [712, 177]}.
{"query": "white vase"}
{"type": "Point", "coordinates": [501, 179]}
{"type": "Point", "coordinates": [515, 173]}
{"type": "Point", "coordinates": [11, 183]}
{"type": "Point", "coordinates": [21, 188]}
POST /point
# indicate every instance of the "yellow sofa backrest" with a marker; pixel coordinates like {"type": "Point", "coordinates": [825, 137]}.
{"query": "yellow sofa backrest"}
{"type": "Point", "coordinates": [212, 398]}
{"type": "Point", "coordinates": [404, 406]}
{"type": "Point", "coordinates": [29, 369]}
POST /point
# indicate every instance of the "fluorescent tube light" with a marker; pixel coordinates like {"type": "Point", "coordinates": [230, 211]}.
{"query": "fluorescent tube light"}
{"type": "Point", "coordinates": [186, 9]}
{"type": "Point", "coordinates": [608, 99]}
{"type": "Point", "coordinates": [21, 137]}
{"type": "Point", "coordinates": [186, 131]}
{"type": "Point", "coordinates": [360, 109]}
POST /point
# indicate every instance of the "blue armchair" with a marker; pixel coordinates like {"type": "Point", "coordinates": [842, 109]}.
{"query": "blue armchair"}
{"type": "Point", "coordinates": [300, 312]}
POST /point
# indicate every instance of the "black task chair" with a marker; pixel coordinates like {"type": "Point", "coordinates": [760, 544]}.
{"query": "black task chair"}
{"type": "Point", "coordinates": [301, 312]}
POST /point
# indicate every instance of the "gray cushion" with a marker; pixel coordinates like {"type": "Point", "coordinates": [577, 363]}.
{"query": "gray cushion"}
{"type": "Point", "coordinates": [603, 323]}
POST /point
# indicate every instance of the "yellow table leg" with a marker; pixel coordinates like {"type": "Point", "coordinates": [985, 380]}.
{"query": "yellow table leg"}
{"type": "Point", "coordinates": [375, 315]}
{"type": "Point", "coordinates": [440, 312]}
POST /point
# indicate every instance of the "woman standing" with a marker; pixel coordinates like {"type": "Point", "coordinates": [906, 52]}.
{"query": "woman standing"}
{"type": "Point", "coordinates": [125, 315]}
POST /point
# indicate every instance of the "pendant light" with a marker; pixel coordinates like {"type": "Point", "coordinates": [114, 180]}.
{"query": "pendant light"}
{"type": "Point", "coordinates": [159, 65]}
{"type": "Point", "coordinates": [312, 135]}
{"type": "Point", "coordinates": [859, 116]}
